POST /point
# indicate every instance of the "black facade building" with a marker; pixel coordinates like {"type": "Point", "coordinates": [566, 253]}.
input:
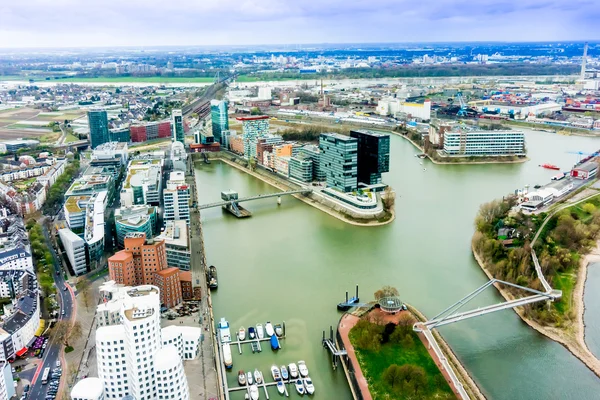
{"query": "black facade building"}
{"type": "Point", "coordinates": [373, 155]}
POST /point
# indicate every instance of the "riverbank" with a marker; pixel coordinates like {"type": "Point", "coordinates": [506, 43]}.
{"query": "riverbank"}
{"type": "Point", "coordinates": [284, 186]}
{"type": "Point", "coordinates": [438, 162]}
{"type": "Point", "coordinates": [573, 339]}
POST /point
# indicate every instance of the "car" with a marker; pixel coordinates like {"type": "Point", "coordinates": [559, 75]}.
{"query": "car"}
{"type": "Point", "coordinates": [63, 312]}
{"type": "Point", "coordinates": [58, 363]}
{"type": "Point", "coordinates": [65, 288]}
{"type": "Point", "coordinates": [26, 388]}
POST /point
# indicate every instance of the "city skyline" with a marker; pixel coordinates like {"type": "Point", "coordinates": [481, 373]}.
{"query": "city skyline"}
{"type": "Point", "coordinates": [65, 23]}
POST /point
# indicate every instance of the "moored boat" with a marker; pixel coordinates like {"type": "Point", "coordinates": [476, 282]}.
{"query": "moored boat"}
{"type": "Point", "coordinates": [275, 372]}
{"type": "Point", "coordinates": [302, 368]}
{"type": "Point", "coordinates": [254, 392]}
{"type": "Point", "coordinates": [251, 332]}
{"type": "Point", "coordinates": [275, 343]}
{"type": "Point", "coordinates": [269, 329]}
{"type": "Point", "coordinates": [260, 332]}
{"type": "Point", "coordinates": [550, 166]}
{"type": "Point", "coordinates": [249, 378]}
{"type": "Point", "coordinates": [293, 370]}
{"type": "Point", "coordinates": [224, 332]}
{"type": "Point", "coordinates": [257, 376]}
{"type": "Point", "coordinates": [284, 373]}
{"type": "Point", "coordinates": [280, 387]}
{"type": "Point", "coordinates": [308, 385]}
{"type": "Point", "coordinates": [241, 378]}
{"type": "Point", "coordinates": [278, 330]}
{"type": "Point", "coordinates": [227, 360]}
{"type": "Point", "coordinates": [299, 386]}
{"type": "Point", "coordinates": [212, 277]}
{"type": "Point", "coordinates": [242, 333]}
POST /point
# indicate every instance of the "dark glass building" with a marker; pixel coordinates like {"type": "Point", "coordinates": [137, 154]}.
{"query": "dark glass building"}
{"type": "Point", "coordinates": [219, 119]}
{"type": "Point", "coordinates": [98, 122]}
{"type": "Point", "coordinates": [373, 155]}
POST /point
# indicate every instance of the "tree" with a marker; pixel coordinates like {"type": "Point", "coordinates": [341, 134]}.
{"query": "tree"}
{"type": "Point", "coordinates": [386, 291]}
{"type": "Point", "coordinates": [392, 375]}
{"type": "Point", "coordinates": [61, 328]}
{"type": "Point", "coordinates": [75, 333]}
{"type": "Point", "coordinates": [405, 323]}
{"type": "Point", "coordinates": [413, 377]}
{"type": "Point", "coordinates": [388, 198]}
{"type": "Point", "coordinates": [589, 208]}
{"type": "Point", "coordinates": [83, 289]}
{"type": "Point", "coordinates": [255, 111]}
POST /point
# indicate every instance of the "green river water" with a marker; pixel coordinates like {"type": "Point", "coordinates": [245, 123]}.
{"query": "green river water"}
{"type": "Point", "coordinates": [293, 263]}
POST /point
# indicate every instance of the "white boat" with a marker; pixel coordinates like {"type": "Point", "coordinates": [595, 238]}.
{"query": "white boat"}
{"type": "Point", "coordinates": [293, 370]}
{"type": "Point", "coordinates": [284, 373]}
{"type": "Point", "coordinates": [257, 376]}
{"type": "Point", "coordinates": [242, 334]}
{"type": "Point", "coordinates": [280, 387]}
{"type": "Point", "coordinates": [275, 372]}
{"type": "Point", "coordinates": [227, 360]}
{"type": "Point", "coordinates": [260, 332]}
{"type": "Point", "coordinates": [269, 329]}
{"type": "Point", "coordinates": [308, 385]}
{"type": "Point", "coordinates": [299, 386]}
{"type": "Point", "coordinates": [254, 392]}
{"type": "Point", "coordinates": [302, 368]}
{"type": "Point", "coordinates": [241, 378]}
{"type": "Point", "coordinates": [278, 330]}
{"type": "Point", "coordinates": [224, 333]}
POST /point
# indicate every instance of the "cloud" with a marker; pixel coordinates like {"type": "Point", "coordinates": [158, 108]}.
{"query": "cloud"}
{"type": "Point", "coordinates": [64, 23]}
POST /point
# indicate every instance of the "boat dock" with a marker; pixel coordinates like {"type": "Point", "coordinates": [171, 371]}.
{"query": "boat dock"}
{"type": "Point", "coordinates": [330, 345]}
{"type": "Point", "coordinates": [254, 343]}
{"type": "Point", "coordinates": [264, 386]}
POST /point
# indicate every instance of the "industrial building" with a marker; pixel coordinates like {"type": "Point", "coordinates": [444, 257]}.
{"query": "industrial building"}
{"type": "Point", "coordinates": [373, 155]}
{"type": "Point", "coordinates": [396, 108]}
{"type": "Point", "coordinates": [466, 142]}
{"type": "Point", "coordinates": [339, 156]}
{"type": "Point", "coordinates": [220, 119]}
{"type": "Point", "coordinates": [586, 170]}
{"type": "Point", "coordinates": [98, 123]}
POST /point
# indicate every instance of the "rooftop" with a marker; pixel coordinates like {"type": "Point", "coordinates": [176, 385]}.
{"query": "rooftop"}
{"type": "Point", "coordinates": [120, 256]}
{"type": "Point", "coordinates": [175, 234]}
{"type": "Point", "coordinates": [72, 204]}
{"type": "Point", "coordinates": [338, 136]}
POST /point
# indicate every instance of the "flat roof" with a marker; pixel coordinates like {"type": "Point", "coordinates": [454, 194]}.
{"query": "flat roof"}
{"type": "Point", "coordinates": [120, 256]}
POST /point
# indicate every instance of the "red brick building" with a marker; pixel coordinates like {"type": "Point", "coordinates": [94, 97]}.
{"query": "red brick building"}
{"type": "Point", "coordinates": [122, 269]}
{"type": "Point", "coordinates": [185, 277]}
{"type": "Point", "coordinates": [167, 281]}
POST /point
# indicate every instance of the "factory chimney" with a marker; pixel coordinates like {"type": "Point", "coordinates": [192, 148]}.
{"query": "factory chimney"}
{"type": "Point", "coordinates": [583, 61]}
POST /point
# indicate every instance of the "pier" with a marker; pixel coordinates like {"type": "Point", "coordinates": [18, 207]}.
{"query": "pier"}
{"type": "Point", "coordinates": [330, 345]}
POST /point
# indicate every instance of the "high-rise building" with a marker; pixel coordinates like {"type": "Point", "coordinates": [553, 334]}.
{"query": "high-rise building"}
{"type": "Point", "coordinates": [373, 155]}
{"type": "Point", "coordinates": [219, 118]}
{"type": "Point", "coordinates": [313, 152]}
{"type": "Point", "coordinates": [75, 249]}
{"type": "Point", "coordinates": [176, 197]}
{"type": "Point", "coordinates": [135, 219]}
{"type": "Point", "coordinates": [301, 168]}
{"type": "Point", "coordinates": [253, 128]}
{"type": "Point", "coordinates": [98, 123]}
{"type": "Point", "coordinates": [177, 126]}
{"type": "Point", "coordinates": [149, 257]}
{"type": "Point", "coordinates": [339, 161]}
{"type": "Point", "coordinates": [134, 359]}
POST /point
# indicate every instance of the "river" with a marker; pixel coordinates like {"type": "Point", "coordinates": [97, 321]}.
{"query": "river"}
{"type": "Point", "coordinates": [294, 263]}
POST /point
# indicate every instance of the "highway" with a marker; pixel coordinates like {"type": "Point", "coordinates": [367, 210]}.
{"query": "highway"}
{"type": "Point", "coordinates": [55, 347]}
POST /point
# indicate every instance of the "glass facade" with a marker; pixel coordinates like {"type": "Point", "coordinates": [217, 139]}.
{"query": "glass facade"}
{"type": "Point", "coordinates": [312, 151]}
{"type": "Point", "coordinates": [98, 122]}
{"type": "Point", "coordinates": [219, 119]}
{"type": "Point", "coordinates": [484, 143]}
{"type": "Point", "coordinates": [301, 168]}
{"type": "Point", "coordinates": [120, 135]}
{"type": "Point", "coordinates": [177, 126]}
{"type": "Point", "coordinates": [339, 161]}
{"type": "Point", "coordinates": [252, 129]}
{"type": "Point", "coordinates": [373, 155]}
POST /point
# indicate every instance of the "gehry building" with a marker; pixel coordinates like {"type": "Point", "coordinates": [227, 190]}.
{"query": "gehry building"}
{"type": "Point", "coordinates": [136, 357]}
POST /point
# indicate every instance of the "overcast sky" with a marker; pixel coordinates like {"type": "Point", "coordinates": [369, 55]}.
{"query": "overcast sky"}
{"type": "Point", "coordinates": [66, 23]}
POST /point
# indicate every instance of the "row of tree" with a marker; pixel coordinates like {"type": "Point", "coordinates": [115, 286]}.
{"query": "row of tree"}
{"type": "Point", "coordinates": [56, 192]}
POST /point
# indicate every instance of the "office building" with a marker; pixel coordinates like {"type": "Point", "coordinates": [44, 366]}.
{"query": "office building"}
{"type": "Point", "coordinates": [88, 389]}
{"type": "Point", "coordinates": [75, 248]}
{"type": "Point", "coordinates": [111, 151]}
{"type": "Point", "coordinates": [339, 161]}
{"type": "Point", "coordinates": [177, 126]}
{"type": "Point", "coordinates": [373, 155]}
{"type": "Point", "coordinates": [177, 239]}
{"type": "Point", "coordinates": [176, 198]}
{"type": "Point", "coordinates": [219, 118]}
{"type": "Point", "coordinates": [253, 128]}
{"type": "Point", "coordinates": [122, 135]}
{"type": "Point", "coordinates": [312, 151]}
{"type": "Point", "coordinates": [98, 123]}
{"type": "Point", "coordinates": [143, 183]}
{"type": "Point", "coordinates": [121, 268]}
{"type": "Point", "coordinates": [132, 357]}
{"type": "Point", "coordinates": [170, 287]}
{"type": "Point", "coordinates": [87, 185]}
{"type": "Point", "coordinates": [466, 142]}
{"type": "Point", "coordinates": [135, 219]}
{"type": "Point", "coordinates": [301, 168]}
{"type": "Point", "coordinates": [150, 131]}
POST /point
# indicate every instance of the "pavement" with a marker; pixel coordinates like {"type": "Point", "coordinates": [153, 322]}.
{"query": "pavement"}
{"type": "Point", "coordinates": [55, 349]}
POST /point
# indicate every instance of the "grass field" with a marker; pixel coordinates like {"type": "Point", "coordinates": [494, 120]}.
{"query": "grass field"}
{"type": "Point", "coordinates": [71, 138]}
{"type": "Point", "coordinates": [374, 363]}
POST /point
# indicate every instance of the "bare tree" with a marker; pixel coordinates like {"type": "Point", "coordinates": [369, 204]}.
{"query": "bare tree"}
{"type": "Point", "coordinates": [386, 291]}
{"type": "Point", "coordinates": [388, 198]}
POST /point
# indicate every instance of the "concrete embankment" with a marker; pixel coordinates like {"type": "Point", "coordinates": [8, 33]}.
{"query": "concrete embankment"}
{"type": "Point", "coordinates": [317, 201]}
{"type": "Point", "coordinates": [571, 337]}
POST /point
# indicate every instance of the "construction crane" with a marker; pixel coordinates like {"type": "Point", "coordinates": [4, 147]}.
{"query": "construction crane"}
{"type": "Point", "coordinates": [581, 154]}
{"type": "Point", "coordinates": [462, 112]}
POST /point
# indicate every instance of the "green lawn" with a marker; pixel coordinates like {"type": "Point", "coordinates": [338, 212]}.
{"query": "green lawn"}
{"type": "Point", "coordinates": [374, 363]}
{"type": "Point", "coordinates": [564, 281]}
{"type": "Point", "coordinates": [71, 138]}
{"type": "Point", "coordinates": [119, 79]}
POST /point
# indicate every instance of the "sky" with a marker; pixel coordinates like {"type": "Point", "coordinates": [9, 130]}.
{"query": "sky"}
{"type": "Point", "coordinates": [101, 23]}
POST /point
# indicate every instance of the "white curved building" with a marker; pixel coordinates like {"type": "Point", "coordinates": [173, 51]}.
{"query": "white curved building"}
{"type": "Point", "coordinates": [88, 389]}
{"type": "Point", "coordinates": [111, 359]}
{"type": "Point", "coordinates": [171, 382]}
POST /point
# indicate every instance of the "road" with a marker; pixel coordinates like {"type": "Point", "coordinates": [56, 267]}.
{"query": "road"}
{"type": "Point", "coordinates": [54, 351]}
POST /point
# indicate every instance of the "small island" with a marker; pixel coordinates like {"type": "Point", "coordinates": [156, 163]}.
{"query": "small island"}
{"type": "Point", "coordinates": [560, 239]}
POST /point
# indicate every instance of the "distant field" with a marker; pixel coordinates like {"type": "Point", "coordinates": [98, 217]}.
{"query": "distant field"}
{"type": "Point", "coordinates": [119, 79]}
{"type": "Point", "coordinates": [70, 138]}
{"type": "Point", "coordinates": [10, 134]}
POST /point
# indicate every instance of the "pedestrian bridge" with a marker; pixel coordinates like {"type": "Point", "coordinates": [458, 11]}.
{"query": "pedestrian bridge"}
{"type": "Point", "coordinates": [250, 198]}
